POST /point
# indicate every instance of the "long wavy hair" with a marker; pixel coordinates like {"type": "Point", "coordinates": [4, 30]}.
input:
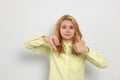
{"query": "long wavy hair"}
{"type": "Point", "coordinates": [77, 36]}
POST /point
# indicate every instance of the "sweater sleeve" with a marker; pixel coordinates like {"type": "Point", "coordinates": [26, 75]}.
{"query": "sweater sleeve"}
{"type": "Point", "coordinates": [38, 45]}
{"type": "Point", "coordinates": [96, 59]}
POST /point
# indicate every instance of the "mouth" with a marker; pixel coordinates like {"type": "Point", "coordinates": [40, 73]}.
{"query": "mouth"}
{"type": "Point", "coordinates": [67, 34]}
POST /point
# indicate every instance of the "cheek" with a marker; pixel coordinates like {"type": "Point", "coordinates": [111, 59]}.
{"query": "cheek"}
{"type": "Point", "coordinates": [73, 31]}
{"type": "Point", "coordinates": [62, 31]}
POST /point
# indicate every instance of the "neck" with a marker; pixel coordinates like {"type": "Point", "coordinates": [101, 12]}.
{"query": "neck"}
{"type": "Point", "coordinates": [67, 41]}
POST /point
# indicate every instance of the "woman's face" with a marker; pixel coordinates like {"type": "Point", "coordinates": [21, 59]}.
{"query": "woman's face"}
{"type": "Point", "coordinates": [67, 30]}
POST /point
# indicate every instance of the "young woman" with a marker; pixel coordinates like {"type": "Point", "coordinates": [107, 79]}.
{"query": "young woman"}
{"type": "Point", "coordinates": [66, 51]}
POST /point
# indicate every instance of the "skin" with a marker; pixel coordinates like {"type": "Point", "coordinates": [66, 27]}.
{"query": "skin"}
{"type": "Point", "coordinates": [67, 31]}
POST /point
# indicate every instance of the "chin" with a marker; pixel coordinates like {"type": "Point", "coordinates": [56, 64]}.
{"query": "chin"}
{"type": "Point", "coordinates": [67, 38]}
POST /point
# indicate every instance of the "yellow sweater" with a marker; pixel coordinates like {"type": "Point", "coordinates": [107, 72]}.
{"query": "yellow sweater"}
{"type": "Point", "coordinates": [68, 66]}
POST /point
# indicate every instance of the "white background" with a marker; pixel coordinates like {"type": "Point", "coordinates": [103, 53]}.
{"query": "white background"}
{"type": "Point", "coordinates": [99, 22]}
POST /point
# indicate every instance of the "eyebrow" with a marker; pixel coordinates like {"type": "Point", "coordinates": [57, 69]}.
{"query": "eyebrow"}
{"type": "Point", "coordinates": [65, 25]}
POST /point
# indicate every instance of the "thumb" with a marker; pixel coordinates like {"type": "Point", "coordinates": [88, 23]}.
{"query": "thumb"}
{"type": "Point", "coordinates": [53, 46]}
{"type": "Point", "coordinates": [56, 40]}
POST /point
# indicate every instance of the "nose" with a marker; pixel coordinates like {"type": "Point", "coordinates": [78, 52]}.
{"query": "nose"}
{"type": "Point", "coordinates": [67, 30]}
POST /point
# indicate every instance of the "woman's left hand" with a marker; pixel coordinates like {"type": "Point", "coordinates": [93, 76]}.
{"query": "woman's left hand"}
{"type": "Point", "coordinates": [80, 47]}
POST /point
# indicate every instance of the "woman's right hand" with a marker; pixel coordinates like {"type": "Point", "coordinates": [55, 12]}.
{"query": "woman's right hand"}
{"type": "Point", "coordinates": [52, 40]}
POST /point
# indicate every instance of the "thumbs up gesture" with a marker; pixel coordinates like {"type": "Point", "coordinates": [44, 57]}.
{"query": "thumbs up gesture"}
{"type": "Point", "coordinates": [80, 47]}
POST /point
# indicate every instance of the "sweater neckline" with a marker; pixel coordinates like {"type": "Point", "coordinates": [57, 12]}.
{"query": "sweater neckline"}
{"type": "Point", "coordinates": [68, 44]}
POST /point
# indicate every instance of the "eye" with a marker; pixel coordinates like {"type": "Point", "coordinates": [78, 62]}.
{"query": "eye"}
{"type": "Point", "coordinates": [63, 27]}
{"type": "Point", "coordinates": [71, 27]}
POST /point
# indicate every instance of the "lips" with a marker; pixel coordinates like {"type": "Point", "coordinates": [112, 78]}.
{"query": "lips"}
{"type": "Point", "coordinates": [67, 34]}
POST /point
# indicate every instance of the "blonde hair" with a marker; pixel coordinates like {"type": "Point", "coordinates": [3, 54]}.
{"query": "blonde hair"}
{"type": "Point", "coordinates": [77, 36]}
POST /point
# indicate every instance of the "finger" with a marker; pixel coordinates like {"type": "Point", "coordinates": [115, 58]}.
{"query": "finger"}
{"type": "Point", "coordinates": [56, 40]}
{"type": "Point", "coordinates": [75, 48]}
{"type": "Point", "coordinates": [78, 48]}
{"type": "Point", "coordinates": [53, 46]}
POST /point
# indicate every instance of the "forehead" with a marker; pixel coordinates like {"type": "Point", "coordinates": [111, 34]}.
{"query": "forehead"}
{"type": "Point", "coordinates": [66, 22]}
